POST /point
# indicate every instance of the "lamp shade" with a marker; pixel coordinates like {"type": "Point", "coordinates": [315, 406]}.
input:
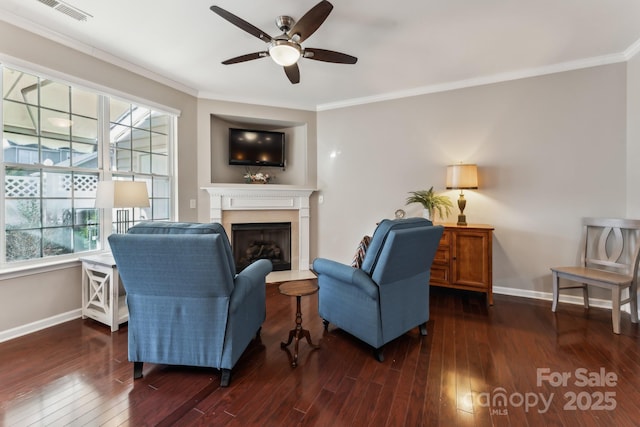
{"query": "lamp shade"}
{"type": "Point", "coordinates": [463, 177]}
{"type": "Point", "coordinates": [122, 194]}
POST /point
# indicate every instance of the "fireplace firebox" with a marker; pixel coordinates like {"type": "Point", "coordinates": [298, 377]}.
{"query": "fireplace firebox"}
{"type": "Point", "coordinates": [254, 241]}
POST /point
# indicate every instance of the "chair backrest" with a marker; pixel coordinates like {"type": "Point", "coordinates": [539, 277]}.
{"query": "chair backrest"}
{"type": "Point", "coordinates": [174, 259]}
{"type": "Point", "coordinates": [407, 254]}
{"type": "Point", "coordinates": [157, 227]}
{"type": "Point", "coordinates": [380, 236]}
{"type": "Point", "coordinates": [611, 244]}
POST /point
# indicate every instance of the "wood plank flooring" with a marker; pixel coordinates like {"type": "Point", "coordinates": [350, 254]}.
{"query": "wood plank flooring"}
{"type": "Point", "coordinates": [478, 366]}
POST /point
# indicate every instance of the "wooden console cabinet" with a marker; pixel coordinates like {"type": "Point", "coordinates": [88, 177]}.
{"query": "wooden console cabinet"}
{"type": "Point", "coordinates": [464, 259]}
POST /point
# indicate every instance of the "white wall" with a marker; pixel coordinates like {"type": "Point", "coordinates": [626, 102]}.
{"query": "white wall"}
{"type": "Point", "coordinates": [38, 299]}
{"type": "Point", "coordinates": [550, 150]}
{"type": "Point", "coordinates": [633, 137]}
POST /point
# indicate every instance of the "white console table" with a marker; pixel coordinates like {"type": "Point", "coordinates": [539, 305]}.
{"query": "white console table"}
{"type": "Point", "coordinates": [102, 297]}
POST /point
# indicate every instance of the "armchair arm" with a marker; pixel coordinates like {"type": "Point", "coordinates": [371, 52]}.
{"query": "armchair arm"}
{"type": "Point", "coordinates": [346, 274]}
{"type": "Point", "coordinates": [253, 275]}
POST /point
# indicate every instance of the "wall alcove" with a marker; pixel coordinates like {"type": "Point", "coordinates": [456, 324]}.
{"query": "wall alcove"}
{"type": "Point", "coordinates": [295, 171]}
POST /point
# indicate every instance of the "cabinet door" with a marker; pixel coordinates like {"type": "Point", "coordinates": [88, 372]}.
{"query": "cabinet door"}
{"type": "Point", "coordinates": [471, 258]}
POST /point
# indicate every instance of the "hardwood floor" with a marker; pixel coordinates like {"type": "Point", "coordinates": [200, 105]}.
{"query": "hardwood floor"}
{"type": "Point", "coordinates": [473, 359]}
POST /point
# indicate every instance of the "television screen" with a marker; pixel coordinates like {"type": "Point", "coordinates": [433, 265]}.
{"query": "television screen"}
{"type": "Point", "coordinates": [256, 147]}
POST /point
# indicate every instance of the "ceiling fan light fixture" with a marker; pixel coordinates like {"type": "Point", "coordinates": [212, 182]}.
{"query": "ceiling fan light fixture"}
{"type": "Point", "coordinates": [284, 52]}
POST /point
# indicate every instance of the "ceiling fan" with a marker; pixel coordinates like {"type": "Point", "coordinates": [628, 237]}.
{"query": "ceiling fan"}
{"type": "Point", "coordinates": [286, 49]}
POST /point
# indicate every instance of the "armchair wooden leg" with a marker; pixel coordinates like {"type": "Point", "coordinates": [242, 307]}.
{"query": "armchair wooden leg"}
{"type": "Point", "coordinates": [423, 329]}
{"type": "Point", "coordinates": [225, 377]}
{"type": "Point", "coordinates": [137, 370]}
{"type": "Point", "coordinates": [377, 353]}
{"type": "Point", "coordinates": [326, 324]}
{"type": "Point", "coordinates": [259, 331]}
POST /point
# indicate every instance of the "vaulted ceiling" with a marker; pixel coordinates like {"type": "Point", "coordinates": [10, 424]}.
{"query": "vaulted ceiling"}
{"type": "Point", "coordinates": [403, 48]}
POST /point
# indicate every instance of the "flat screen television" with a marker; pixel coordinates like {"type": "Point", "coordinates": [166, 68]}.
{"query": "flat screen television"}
{"type": "Point", "coordinates": [250, 147]}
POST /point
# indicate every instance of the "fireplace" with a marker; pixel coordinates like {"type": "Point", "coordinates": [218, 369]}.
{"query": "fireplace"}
{"type": "Point", "coordinates": [254, 241]}
{"type": "Point", "coordinates": [247, 204]}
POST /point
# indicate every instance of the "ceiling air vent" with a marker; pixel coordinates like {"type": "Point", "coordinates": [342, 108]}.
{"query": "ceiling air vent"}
{"type": "Point", "coordinates": [67, 9]}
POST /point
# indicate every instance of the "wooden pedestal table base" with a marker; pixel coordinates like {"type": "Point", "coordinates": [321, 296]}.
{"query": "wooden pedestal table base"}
{"type": "Point", "coordinates": [298, 289]}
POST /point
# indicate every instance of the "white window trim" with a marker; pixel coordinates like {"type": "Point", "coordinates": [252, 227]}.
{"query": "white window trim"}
{"type": "Point", "coordinates": [42, 265]}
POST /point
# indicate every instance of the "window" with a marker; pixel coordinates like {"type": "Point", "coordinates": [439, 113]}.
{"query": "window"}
{"type": "Point", "coordinates": [58, 141]}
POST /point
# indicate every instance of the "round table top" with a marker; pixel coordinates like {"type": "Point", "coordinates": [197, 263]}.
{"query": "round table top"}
{"type": "Point", "coordinates": [298, 288]}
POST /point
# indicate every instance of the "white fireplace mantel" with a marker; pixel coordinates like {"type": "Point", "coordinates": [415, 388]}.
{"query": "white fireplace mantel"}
{"type": "Point", "coordinates": [264, 197]}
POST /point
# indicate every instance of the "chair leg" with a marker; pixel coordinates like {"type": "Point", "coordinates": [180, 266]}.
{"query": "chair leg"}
{"type": "Point", "coordinates": [423, 329]}
{"type": "Point", "coordinates": [585, 295]}
{"type": "Point", "coordinates": [326, 324]}
{"type": "Point", "coordinates": [225, 377]}
{"type": "Point", "coordinates": [615, 309]}
{"type": "Point", "coordinates": [556, 290]}
{"type": "Point", "coordinates": [137, 370]}
{"type": "Point", "coordinates": [377, 353]}
{"type": "Point", "coordinates": [633, 301]}
{"type": "Point", "coordinates": [259, 331]}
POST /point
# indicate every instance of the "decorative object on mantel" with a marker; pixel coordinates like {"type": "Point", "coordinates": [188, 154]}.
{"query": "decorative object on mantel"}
{"type": "Point", "coordinates": [431, 202]}
{"type": "Point", "coordinates": [257, 177]}
{"type": "Point", "coordinates": [462, 177]}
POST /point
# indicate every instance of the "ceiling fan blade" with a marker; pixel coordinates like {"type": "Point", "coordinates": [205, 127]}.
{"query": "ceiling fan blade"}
{"type": "Point", "coordinates": [329, 56]}
{"type": "Point", "coordinates": [241, 23]}
{"type": "Point", "coordinates": [247, 57]}
{"type": "Point", "coordinates": [311, 21]}
{"type": "Point", "coordinates": [293, 73]}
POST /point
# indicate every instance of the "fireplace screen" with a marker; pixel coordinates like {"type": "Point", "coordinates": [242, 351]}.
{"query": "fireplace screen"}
{"type": "Point", "coordinates": [255, 241]}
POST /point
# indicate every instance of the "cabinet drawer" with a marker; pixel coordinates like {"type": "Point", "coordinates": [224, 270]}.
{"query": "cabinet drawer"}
{"type": "Point", "coordinates": [439, 274]}
{"type": "Point", "coordinates": [443, 255]}
{"type": "Point", "coordinates": [445, 239]}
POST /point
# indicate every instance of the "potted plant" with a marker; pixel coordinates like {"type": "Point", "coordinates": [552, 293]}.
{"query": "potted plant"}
{"type": "Point", "coordinates": [431, 202]}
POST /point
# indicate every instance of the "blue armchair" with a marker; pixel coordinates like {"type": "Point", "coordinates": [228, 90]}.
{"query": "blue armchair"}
{"type": "Point", "coordinates": [186, 304]}
{"type": "Point", "coordinates": [389, 294]}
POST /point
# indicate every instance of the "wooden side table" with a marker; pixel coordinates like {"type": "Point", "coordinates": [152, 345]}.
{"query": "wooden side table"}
{"type": "Point", "coordinates": [464, 259]}
{"type": "Point", "coordinates": [101, 299]}
{"type": "Point", "coordinates": [298, 289]}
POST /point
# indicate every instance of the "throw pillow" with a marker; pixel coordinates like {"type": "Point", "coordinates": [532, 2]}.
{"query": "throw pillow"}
{"type": "Point", "coordinates": [361, 252]}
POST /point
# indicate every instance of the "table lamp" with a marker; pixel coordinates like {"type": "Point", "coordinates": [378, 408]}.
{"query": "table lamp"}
{"type": "Point", "coordinates": [462, 177]}
{"type": "Point", "coordinates": [122, 195]}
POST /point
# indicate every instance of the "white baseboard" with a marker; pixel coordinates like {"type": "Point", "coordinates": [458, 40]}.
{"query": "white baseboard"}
{"type": "Point", "coordinates": [39, 325]}
{"type": "Point", "coordinates": [548, 296]}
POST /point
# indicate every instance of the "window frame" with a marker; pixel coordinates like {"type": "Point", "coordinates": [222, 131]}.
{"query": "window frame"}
{"type": "Point", "coordinates": [103, 169]}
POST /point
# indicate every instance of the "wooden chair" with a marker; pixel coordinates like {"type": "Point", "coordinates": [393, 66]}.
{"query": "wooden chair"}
{"type": "Point", "coordinates": [610, 249]}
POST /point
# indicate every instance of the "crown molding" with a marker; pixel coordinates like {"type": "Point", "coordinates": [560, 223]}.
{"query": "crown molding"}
{"type": "Point", "coordinates": [23, 23]}
{"type": "Point", "coordinates": [20, 22]}
{"type": "Point", "coordinates": [481, 81]}
{"type": "Point", "coordinates": [255, 101]}
{"type": "Point", "coordinates": [632, 50]}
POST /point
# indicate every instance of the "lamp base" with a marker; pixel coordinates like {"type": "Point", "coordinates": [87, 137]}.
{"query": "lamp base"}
{"type": "Point", "coordinates": [122, 221]}
{"type": "Point", "coordinates": [462, 203]}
